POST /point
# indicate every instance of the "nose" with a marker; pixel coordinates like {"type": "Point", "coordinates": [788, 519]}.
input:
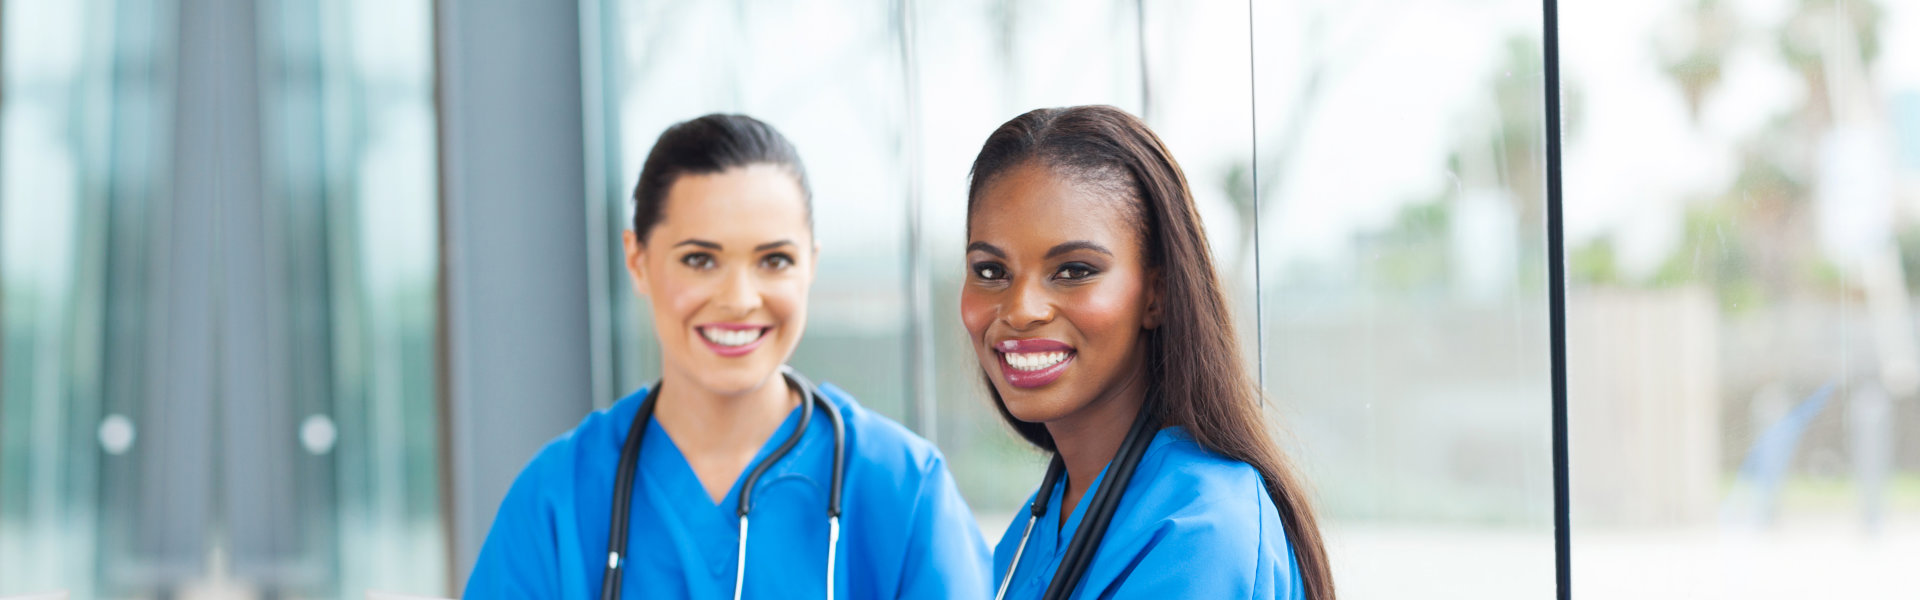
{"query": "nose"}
{"type": "Point", "coordinates": [1028, 306]}
{"type": "Point", "coordinates": [739, 293]}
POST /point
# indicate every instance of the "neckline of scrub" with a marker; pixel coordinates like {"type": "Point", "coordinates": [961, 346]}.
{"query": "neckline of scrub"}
{"type": "Point", "coordinates": [1064, 533]}
{"type": "Point", "coordinates": [682, 469]}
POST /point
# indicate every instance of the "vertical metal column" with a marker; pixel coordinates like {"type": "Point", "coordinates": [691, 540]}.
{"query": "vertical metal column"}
{"type": "Point", "coordinates": [1557, 303]}
{"type": "Point", "coordinates": [513, 235]}
{"type": "Point", "coordinates": [175, 498]}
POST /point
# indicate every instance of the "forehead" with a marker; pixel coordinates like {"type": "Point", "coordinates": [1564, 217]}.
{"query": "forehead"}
{"type": "Point", "coordinates": [1033, 205]}
{"type": "Point", "coordinates": [760, 202]}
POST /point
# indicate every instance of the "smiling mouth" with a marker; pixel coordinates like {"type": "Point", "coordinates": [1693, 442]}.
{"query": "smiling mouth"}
{"type": "Point", "coordinates": [732, 337]}
{"type": "Point", "coordinates": [733, 341]}
{"type": "Point", "coordinates": [1032, 363]}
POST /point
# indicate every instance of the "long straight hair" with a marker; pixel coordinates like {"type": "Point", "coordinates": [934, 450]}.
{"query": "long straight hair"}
{"type": "Point", "coordinates": [1195, 375]}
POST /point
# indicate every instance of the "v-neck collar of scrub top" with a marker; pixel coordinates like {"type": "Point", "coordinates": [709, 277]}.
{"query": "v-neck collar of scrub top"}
{"type": "Point", "coordinates": [668, 477]}
{"type": "Point", "coordinates": [1054, 547]}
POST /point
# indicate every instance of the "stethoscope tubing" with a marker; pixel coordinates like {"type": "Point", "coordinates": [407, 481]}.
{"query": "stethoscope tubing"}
{"type": "Point", "coordinates": [629, 466]}
{"type": "Point", "coordinates": [1093, 526]}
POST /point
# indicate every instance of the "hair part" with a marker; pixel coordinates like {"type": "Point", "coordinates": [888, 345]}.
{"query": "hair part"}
{"type": "Point", "coordinates": [708, 145]}
{"type": "Point", "coordinates": [1200, 382]}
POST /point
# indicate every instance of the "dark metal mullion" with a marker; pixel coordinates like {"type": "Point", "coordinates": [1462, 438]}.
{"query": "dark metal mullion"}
{"type": "Point", "coordinates": [1557, 303]}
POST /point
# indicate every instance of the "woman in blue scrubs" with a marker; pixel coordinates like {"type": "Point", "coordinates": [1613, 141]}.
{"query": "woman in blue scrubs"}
{"type": "Point", "coordinates": [1094, 309]}
{"type": "Point", "coordinates": [722, 247]}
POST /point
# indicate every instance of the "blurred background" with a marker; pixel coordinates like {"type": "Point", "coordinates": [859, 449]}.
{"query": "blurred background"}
{"type": "Point", "coordinates": [290, 290]}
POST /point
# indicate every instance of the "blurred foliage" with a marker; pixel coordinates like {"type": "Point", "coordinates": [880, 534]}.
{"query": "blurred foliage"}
{"type": "Point", "coordinates": [1499, 147]}
{"type": "Point", "coordinates": [1593, 263]}
{"type": "Point", "coordinates": [1755, 242]}
{"type": "Point", "coordinates": [1693, 49]}
{"type": "Point", "coordinates": [1909, 241]}
{"type": "Point", "coordinates": [1806, 37]}
{"type": "Point", "coordinates": [1705, 256]}
{"type": "Point", "coordinates": [1410, 256]}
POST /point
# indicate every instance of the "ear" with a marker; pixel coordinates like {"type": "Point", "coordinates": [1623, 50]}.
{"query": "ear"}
{"type": "Point", "coordinates": [636, 261]}
{"type": "Point", "coordinates": [1150, 319]}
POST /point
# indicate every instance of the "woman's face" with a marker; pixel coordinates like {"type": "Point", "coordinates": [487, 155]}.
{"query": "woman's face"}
{"type": "Point", "coordinates": [727, 269]}
{"type": "Point", "coordinates": [1057, 294]}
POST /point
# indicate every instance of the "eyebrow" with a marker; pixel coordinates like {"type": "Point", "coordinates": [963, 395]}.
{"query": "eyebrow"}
{"type": "Point", "coordinates": [1062, 248]}
{"type": "Point", "coordinates": [987, 248]}
{"type": "Point", "coordinates": [716, 245]}
{"type": "Point", "coordinates": [1066, 247]}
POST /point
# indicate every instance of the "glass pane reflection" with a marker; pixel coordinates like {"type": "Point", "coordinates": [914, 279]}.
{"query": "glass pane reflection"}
{"type": "Point", "coordinates": [1741, 189]}
{"type": "Point", "coordinates": [1402, 267]}
{"type": "Point", "coordinates": [352, 176]}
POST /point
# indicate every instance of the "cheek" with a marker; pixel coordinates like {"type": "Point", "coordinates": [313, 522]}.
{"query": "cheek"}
{"type": "Point", "coordinates": [677, 295]}
{"type": "Point", "coordinates": [976, 311]}
{"type": "Point", "coordinates": [1108, 310]}
{"type": "Point", "coordinates": [786, 300]}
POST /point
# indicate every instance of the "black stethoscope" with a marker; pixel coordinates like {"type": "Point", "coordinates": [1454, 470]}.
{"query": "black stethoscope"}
{"type": "Point", "coordinates": [630, 463]}
{"type": "Point", "coordinates": [1093, 526]}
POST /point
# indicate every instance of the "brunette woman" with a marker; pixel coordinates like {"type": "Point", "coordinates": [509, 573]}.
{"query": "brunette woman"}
{"type": "Point", "coordinates": [1097, 316]}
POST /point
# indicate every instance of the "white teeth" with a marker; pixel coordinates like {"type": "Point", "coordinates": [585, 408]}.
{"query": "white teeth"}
{"type": "Point", "coordinates": [730, 337]}
{"type": "Point", "coordinates": [1034, 361]}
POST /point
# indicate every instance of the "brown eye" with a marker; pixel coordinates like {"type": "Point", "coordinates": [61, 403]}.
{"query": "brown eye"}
{"type": "Point", "coordinates": [777, 262]}
{"type": "Point", "coordinates": [700, 261]}
{"type": "Point", "coordinates": [989, 271]}
{"type": "Point", "coordinates": [1074, 271]}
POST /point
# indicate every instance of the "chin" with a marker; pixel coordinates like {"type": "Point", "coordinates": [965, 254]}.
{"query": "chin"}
{"type": "Point", "coordinates": [1028, 406]}
{"type": "Point", "coordinates": [737, 380]}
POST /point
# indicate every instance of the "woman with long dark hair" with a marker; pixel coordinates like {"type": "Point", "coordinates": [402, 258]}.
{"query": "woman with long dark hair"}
{"type": "Point", "coordinates": [732, 475]}
{"type": "Point", "coordinates": [1094, 308]}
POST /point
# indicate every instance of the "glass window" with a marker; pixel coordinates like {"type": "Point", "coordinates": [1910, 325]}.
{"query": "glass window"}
{"type": "Point", "coordinates": [82, 175]}
{"type": "Point", "coordinates": [1402, 284]}
{"type": "Point", "coordinates": [134, 307]}
{"type": "Point", "coordinates": [831, 82]}
{"type": "Point", "coordinates": [352, 173]}
{"type": "Point", "coordinates": [1742, 178]}
{"type": "Point", "coordinates": [888, 102]}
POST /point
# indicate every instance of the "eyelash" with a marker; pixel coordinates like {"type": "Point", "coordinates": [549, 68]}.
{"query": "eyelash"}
{"type": "Point", "coordinates": [1080, 271]}
{"type": "Point", "coordinates": [702, 261]}
{"type": "Point", "coordinates": [1084, 269]}
{"type": "Point", "coordinates": [979, 270]}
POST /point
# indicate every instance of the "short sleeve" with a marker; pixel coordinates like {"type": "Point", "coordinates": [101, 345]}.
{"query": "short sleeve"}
{"type": "Point", "coordinates": [946, 556]}
{"type": "Point", "coordinates": [520, 558]}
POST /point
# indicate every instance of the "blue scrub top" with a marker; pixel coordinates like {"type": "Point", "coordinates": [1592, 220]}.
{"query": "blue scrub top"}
{"type": "Point", "coordinates": [904, 530]}
{"type": "Point", "coordinates": [1192, 524]}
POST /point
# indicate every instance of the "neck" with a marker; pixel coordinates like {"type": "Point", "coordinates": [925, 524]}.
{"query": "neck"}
{"type": "Point", "coordinates": [1088, 439]}
{"type": "Point", "coordinates": [703, 422]}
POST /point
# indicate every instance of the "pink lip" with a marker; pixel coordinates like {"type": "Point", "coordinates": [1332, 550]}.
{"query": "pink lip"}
{"type": "Point", "coordinates": [1032, 345]}
{"type": "Point", "coordinates": [733, 351]}
{"type": "Point", "coordinates": [1032, 379]}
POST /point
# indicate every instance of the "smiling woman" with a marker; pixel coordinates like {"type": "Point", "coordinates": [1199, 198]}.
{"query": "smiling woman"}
{"type": "Point", "coordinates": [722, 248]}
{"type": "Point", "coordinates": [1098, 318]}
